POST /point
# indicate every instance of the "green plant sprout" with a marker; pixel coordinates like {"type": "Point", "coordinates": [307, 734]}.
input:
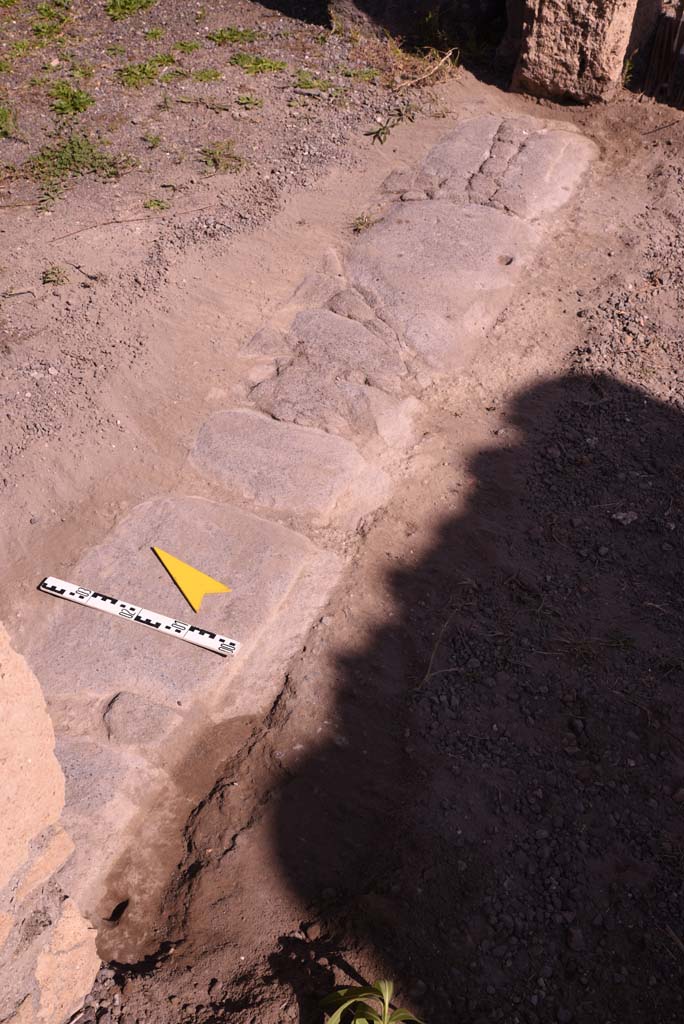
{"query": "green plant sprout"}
{"type": "Point", "coordinates": [120, 9]}
{"type": "Point", "coordinates": [220, 158]}
{"type": "Point", "coordinates": [354, 1002]}
{"type": "Point", "coordinates": [252, 64]}
{"type": "Point", "coordinates": [68, 100]}
{"type": "Point", "coordinates": [395, 117]}
{"type": "Point", "coordinates": [249, 102]}
{"type": "Point", "coordinates": [232, 35]}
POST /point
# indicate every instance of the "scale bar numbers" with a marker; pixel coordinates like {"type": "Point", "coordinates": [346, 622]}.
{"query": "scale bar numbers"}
{"type": "Point", "coordinates": [134, 613]}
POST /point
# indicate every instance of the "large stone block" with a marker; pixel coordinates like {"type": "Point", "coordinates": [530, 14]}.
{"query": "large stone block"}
{"type": "Point", "coordinates": [47, 950]}
{"type": "Point", "coordinates": [292, 469]}
{"type": "Point", "coordinates": [573, 49]}
{"type": "Point", "coordinates": [82, 651]}
{"type": "Point", "coordinates": [440, 274]}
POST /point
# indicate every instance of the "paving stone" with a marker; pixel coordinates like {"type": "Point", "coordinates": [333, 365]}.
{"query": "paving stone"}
{"type": "Point", "coordinates": [289, 468]}
{"type": "Point", "coordinates": [459, 156]}
{"type": "Point", "coordinates": [362, 356]}
{"type": "Point", "coordinates": [274, 573]}
{"type": "Point", "coordinates": [540, 176]}
{"type": "Point", "coordinates": [349, 303]}
{"type": "Point", "coordinates": [440, 271]}
{"type": "Point", "coordinates": [310, 396]}
{"type": "Point", "coordinates": [439, 274]}
{"type": "Point", "coordinates": [269, 341]}
{"type": "Point", "coordinates": [130, 719]}
{"type": "Point", "coordinates": [517, 164]}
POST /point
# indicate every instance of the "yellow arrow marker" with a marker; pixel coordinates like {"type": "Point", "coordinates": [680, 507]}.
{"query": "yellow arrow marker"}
{"type": "Point", "coordinates": [192, 583]}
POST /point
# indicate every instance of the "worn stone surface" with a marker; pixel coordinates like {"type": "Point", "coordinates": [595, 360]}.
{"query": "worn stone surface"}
{"type": "Point", "coordinates": [318, 398]}
{"type": "Point", "coordinates": [131, 720]}
{"type": "Point", "coordinates": [67, 965]}
{"type": "Point", "coordinates": [83, 651]}
{"type": "Point", "coordinates": [573, 50]}
{"type": "Point", "coordinates": [334, 343]}
{"type": "Point", "coordinates": [32, 793]}
{"type": "Point", "coordinates": [285, 467]}
{"type": "Point", "coordinates": [134, 687]}
{"type": "Point", "coordinates": [47, 949]}
{"type": "Point", "coordinates": [440, 271]}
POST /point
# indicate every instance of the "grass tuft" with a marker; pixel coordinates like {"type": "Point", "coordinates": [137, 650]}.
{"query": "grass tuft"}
{"type": "Point", "coordinates": [252, 64]}
{"type": "Point", "coordinates": [222, 36]}
{"type": "Point", "coordinates": [187, 45]}
{"type": "Point", "coordinates": [155, 204]}
{"type": "Point", "coordinates": [67, 100]}
{"type": "Point", "coordinates": [220, 158]}
{"type": "Point", "coordinates": [73, 157]}
{"type": "Point", "coordinates": [54, 275]}
{"type": "Point", "coordinates": [249, 102]}
{"type": "Point", "coordinates": [135, 76]}
{"type": "Point", "coordinates": [19, 48]}
{"type": "Point", "coordinates": [8, 121]}
{"type": "Point", "coordinates": [52, 17]}
{"type": "Point", "coordinates": [120, 9]}
{"type": "Point", "coordinates": [206, 75]}
{"type": "Point", "coordinates": [305, 80]}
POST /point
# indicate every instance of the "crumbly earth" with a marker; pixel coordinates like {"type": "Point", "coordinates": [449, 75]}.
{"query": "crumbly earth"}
{"type": "Point", "coordinates": [473, 778]}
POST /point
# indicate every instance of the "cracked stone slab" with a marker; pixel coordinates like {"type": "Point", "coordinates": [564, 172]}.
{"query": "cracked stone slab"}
{"type": "Point", "coordinates": [362, 356]}
{"type": "Point", "coordinates": [285, 467]}
{"type": "Point", "coordinates": [149, 697]}
{"type": "Point", "coordinates": [440, 271]}
{"type": "Point", "coordinates": [312, 397]}
{"type": "Point", "coordinates": [521, 165]}
{"type": "Point", "coordinates": [269, 568]}
{"type": "Point", "coordinates": [440, 274]}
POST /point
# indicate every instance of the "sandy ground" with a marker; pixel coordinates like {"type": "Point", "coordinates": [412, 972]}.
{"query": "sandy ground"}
{"type": "Point", "coordinates": [472, 781]}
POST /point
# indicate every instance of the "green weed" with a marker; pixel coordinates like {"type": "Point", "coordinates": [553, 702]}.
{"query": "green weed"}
{"type": "Point", "coordinates": [19, 48]}
{"type": "Point", "coordinates": [222, 36]}
{"type": "Point", "coordinates": [120, 9]}
{"type": "Point", "coordinates": [206, 75]}
{"type": "Point", "coordinates": [154, 34]}
{"type": "Point", "coordinates": [5, 66]}
{"type": "Point", "coordinates": [7, 3]}
{"type": "Point", "coordinates": [252, 64]}
{"type": "Point", "coordinates": [173, 74]}
{"type": "Point", "coordinates": [52, 18]}
{"type": "Point", "coordinates": [73, 157]}
{"type": "Point", "coordinates": [81, 71]}
{"type": "Point", "coordinates": [305, 80]}
{"type": "Point", "coordinates": [395, 117]}
{"type": "Point", "coordinates": [361, 222]}
{"type": "Point", "coordinates": [8, 121]}
{"type": "Point", "coordinates": [249, 102]}
{"type": "Point", "coordinates": [116, 50]}
{"type": "Point", "coordinates": [354, 1005]}
{"type": "Point", "coordinates": [187, 45]}
{"type": "Point", "coordinates": [135, 76]}
{"type": "Point", "coordinates": [220, 158]}
{"type": "Point", "coordinates": [151, 141]}
{"type": "Point", "coordinates": [361, 74]}
{"type": "Point", "coordinates": [68, 100]}
{"type": "Point", "coordinates": [156, 204]}
{"type": "Point", "coordinates": [54, 275]}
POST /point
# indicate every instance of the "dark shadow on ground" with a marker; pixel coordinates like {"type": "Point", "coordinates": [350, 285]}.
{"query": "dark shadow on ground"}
{"type": "Point", "coordinates": [507, 834]}
{"type": "Point", "coordinates": [474, 27]}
